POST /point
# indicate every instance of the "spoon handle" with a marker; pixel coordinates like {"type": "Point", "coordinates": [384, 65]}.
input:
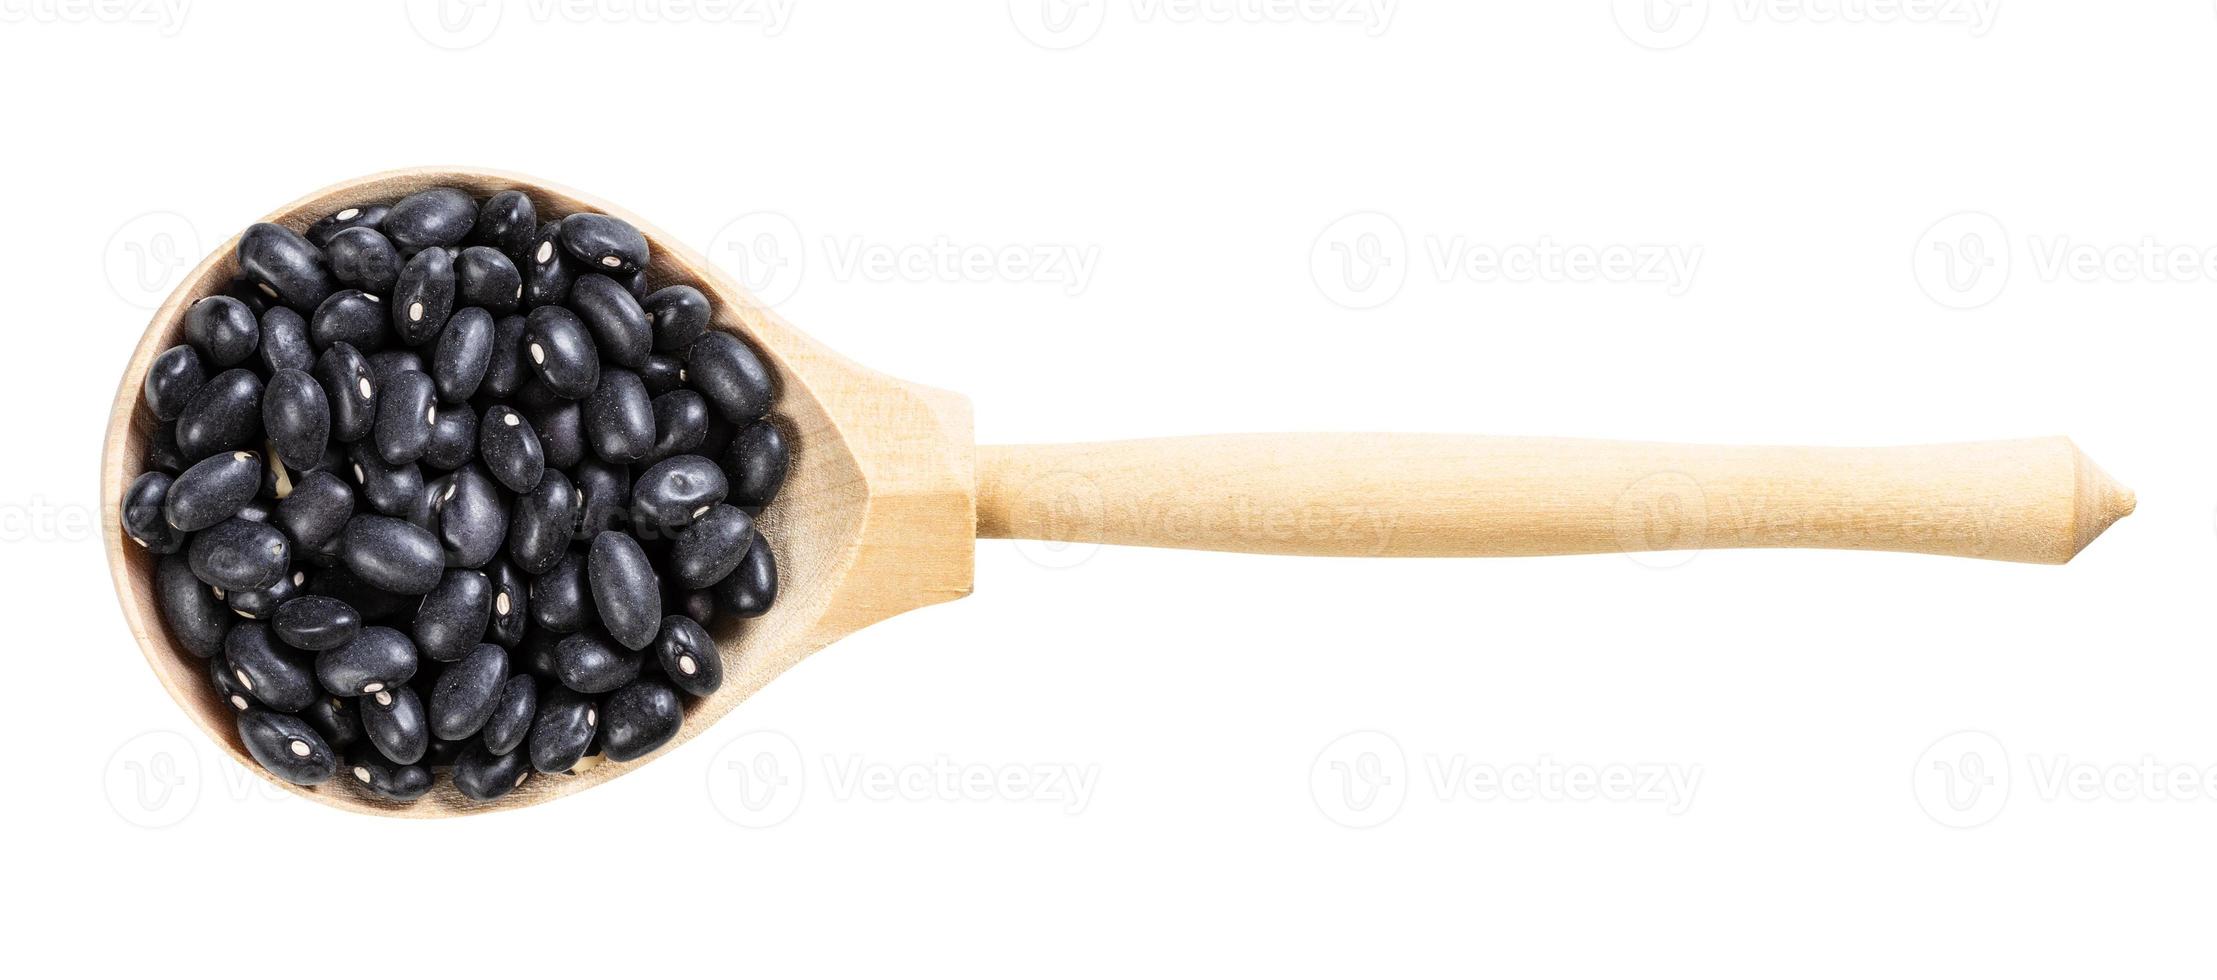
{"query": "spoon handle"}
{"type": "Point", "coordinates": [2028, 500]}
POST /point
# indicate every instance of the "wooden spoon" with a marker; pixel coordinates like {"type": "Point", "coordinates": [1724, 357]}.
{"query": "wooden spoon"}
{"type": "Point", "coordinates": [887, 494]}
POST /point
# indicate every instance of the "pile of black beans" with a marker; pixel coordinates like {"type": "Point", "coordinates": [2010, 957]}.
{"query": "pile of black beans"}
{"type": "Point", "coordinates": [439, 486]}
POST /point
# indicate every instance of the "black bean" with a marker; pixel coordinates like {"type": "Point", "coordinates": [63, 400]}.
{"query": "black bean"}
{"type": "Point", "coordinates": [394, 721]}
{"type": "Point", "coordinates": [315, 622]}
{"type": "Point", "coordinates": [424, 296]}
{"type": "Point", "coordinates": [756, 463]}
{"type": "Point", "coordinates": [604, 497]}
{"type": "Point", "coordinates": [336, 720]}
{"type": "Point", "coordinates": [560, 352]}
{"type": "Point", "coordinates": [430, 218]}
{"type": "Point", "coordinates": [365, 260]}
{"type": "Point", "coordinates": [345, 377]}
{"type": "Point", "coordinates": [561, 602]}
{"type": "Point", "coordinates": [626, 592]}
{"type": "Point", "coordinates": [561, 431]}
{"type": "Point", "coordinates": [639, 718]}
{"type": "Point", "coordinates": [227, 684]}
{"type": "Point", "coordinates": [506, 221]}
{"type": "Point", "coordinates": [662, 374]}
{"type": "Point", "coordinates": [406, 410]}
{"type": "Point", "coordinates": [466, 694]}
{"type": "Point", "coordinates": [601, 243]}
{"type": "Point", "coordinates": [680, 315]}
{"type": "Point", "coordinates": [711, 547]}
{"type": "Point", "coordinates": [471, 518]}
{"type": "Point", "coordinates": [262, 603]}
{"type": "Point", "coordinates": [453, 438]}
{"type": "Point", "coordinates": [316, 510]}
{"type": "Point", "coordinates": [451, 621]}
{"type": "Point", "coordinates": [619, 417]}
{"type": "Point", "coordinates": [223, 330]}
{"type": "Point", "coordinates": [465, 348]}
{"type": "Point", "coordinates": [562, 730]}
{"type": "Point", "coordinates": [688, 656]}
{"type": "Point", "coordinates": [510, 448]}
{"type": "Point", "coordinates": [726, 371]}
{"type": "Point", "coordinates": [274, 675]}
{"type": "Point", "coordinates": [395, 491]}
{"type": "Point", "coordinates": [511, 612]}
{"type": "Point", "coordinates": [546, 269]}
{"type": "Point", "coordinates": [287, 746]}
{"type": "Point", "coordinates": [750, 589]}
{"type": "Point", "coordinates": [504, 367]}
{"type": "Point", "coordinates": [675, 492]}
{"type": "Point", "coordinates": [510, 720]}
{"type": "Point", "coordinates": [329, 226]}
{"type": "Point", "coordinates": [484, 777]}
{"type": "Point", "coordinates": [240, 554]}
{"type": "Point", "coordinates": [212, 491]}
{"type": "Point", "coordinates": [486, 278]}
{"type": "Point", "coordinates": [392, 555]}
{"type": "Point", "coordinates": [285, 345]}
{"type": "Point", "coordinates": [350, 317]}
{"type": "Point", "coordinates": [618, 323]}
{"type": "Point", "coordinates": [284, 265]}
{"type": "Point", "coordinates": [371, 773]}
{"type": "Point", "coordinates": [379, 658]}
{"type": "Point", "coordinates": [680, 424]}
{"type": "Point", "coordinates": [544, 522]}
{"type": "Point", "coordinates": [197, 620]}
{"type": "Point", "coordinates": [225, 414]}
{"type": "Point", "coordinates": [257, 297]}
{"type": "Point", "coordinates": [296, 415]}
{"type": "Point", "coordinates": [145, 520]}
{"type": "Point", "coordinates": [171, 380]}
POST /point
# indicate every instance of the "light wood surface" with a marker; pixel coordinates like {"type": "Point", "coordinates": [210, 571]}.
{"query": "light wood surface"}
{"type": "Point", "coordinates": [887, 494]}
{"type": "Point", "coordinates": [2031, 500]}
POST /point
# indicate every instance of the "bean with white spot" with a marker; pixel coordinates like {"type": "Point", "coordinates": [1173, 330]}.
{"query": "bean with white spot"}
{"type": "Point", "coordinates": [394, 721]}
{"type": "Point", "coordinates": [291, 749]}
{"type": "Point", "coordinates": [688, 656]}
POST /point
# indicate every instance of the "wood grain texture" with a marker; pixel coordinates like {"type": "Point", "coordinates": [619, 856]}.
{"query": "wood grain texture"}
{"type": "Point", "coordinates": [876, 517]}
{"type": "Point", "coordinates": [2032, 500]}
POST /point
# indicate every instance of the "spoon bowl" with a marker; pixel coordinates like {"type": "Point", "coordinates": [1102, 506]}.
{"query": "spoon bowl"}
{"type": "Point", "coordinates": [877, 515]}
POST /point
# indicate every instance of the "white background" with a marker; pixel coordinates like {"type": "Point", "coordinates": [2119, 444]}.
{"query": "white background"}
{"type": "Point", "coordinates": [1807, 701]}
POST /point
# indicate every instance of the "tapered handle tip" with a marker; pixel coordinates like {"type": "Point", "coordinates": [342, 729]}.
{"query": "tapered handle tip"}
{"type": "Point", "coordinates": [2102, 501]}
